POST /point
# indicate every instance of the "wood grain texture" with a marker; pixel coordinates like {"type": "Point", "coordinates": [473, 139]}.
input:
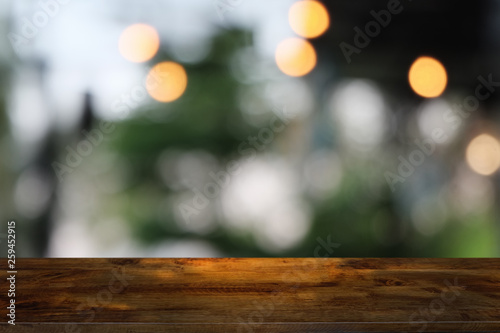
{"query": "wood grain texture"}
{"type": "Point", "coordinates": [255, 295]}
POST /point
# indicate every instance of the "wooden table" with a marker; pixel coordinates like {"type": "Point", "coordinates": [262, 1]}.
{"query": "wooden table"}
{"type": "Point", "coordinates": [255, 295]}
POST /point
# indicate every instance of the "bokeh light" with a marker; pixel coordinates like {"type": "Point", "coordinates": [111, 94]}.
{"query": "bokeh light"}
{"type": "Point", "coordinates": [427, 77]}
{"type": "Point", "coordinates": [308, 18]}
{"type": "Point", "coordinates": [483, 154]}
{"type": "Point", "coordinates": [262, 200]}
{"type": "Point", "coordinates": [139, 42]}
{"type": "Point", "coordinates": [167, 81]}
{"type": "Point", "coordinates": [432, 114]}
{"type": "Point", "coordinates": [358, 108]}
{"type": "Point", "coordinates": [295, 57]}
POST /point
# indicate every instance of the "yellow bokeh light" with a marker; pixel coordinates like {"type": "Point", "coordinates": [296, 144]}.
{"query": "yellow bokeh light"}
{"type": "Point", "coordinates": [308, 18]}
{"type": "Point", "coordinates": [139, 42]}
{"type": "Point", "coordinates": [166, 81]}
{"type": "Point", "coordinates": [427, 77]}
{"type": "Point", "coordinates": [483, 154]}
{"type": "Point", "coordinates": [295, 57]}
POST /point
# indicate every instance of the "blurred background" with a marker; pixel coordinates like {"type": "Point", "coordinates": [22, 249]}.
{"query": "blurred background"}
{"type": "Point", "coordinates": [250, 128]}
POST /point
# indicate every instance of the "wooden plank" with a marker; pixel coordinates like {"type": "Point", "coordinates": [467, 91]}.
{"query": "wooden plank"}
{"type": "Point", "coordinates": [255, 295]}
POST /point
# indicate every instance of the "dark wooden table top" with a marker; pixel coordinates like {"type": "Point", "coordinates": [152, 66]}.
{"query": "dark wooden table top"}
{"type": "Point", "coordinates": [255, 295]}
